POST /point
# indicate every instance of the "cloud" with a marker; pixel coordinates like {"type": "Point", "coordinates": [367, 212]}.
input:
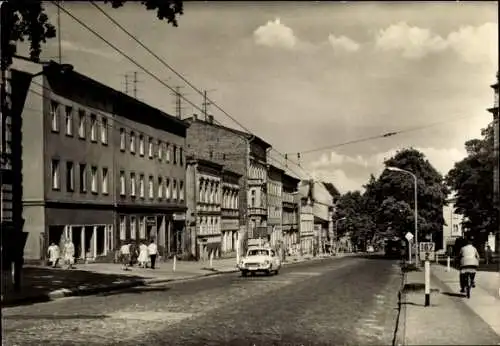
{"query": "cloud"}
{"type": "Point", "coordinates": [472, 44]}
{"type": "Point", "coordinates": [70, 46]}
{"type": "Point", "coordinates": [275, 34]}
{"type": "Point", "coordinates": [278, 35]}
{"type": "Point", "coordinates": [343, 43]}
{"type": "Point", "coordinates": [351, 172]}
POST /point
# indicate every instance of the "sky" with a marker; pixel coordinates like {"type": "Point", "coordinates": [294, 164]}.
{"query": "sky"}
{"type": "Point", "coordinates": [308, 75]}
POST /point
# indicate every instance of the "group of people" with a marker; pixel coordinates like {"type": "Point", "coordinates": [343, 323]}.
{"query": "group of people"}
{"type": "Point", "coordinates": [146, 253]}
{"type": "Point", "coordinates": [67, 254]}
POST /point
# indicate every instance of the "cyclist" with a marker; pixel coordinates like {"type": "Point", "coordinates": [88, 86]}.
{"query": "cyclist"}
{"type": "Point", "coordinates": [469, 261]}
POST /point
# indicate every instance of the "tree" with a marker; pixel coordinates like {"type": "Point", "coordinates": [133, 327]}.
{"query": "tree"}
{"type": "Point", "coordinates": [26, 20]}
{"type": "Point", "coordinates": [393, 193]}
{"type": "Point", "coordinates": [353, 207]}
{"type": "Point", "coordinates": [472, 179]}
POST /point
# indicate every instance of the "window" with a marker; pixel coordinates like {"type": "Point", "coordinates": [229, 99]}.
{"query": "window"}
{"type": "Point", "coordinates": [142, 228]}
{"type": "Point", "coordinates": [175, 154]}
{"type": "Point", "coordinates": [70, 177]}
{"type": "Point", "coordinates": [151, 191]}
{"type": "Point", "coordinates": [122, 183]}
{"type": "Point", "coordinates": [93, 179]}
{"type": "Point", "coordinates": [56, 177]}
{"type": "Point", "coordinates": [93, 128]}
{"type": "Point", "coordinates": [83, 178]}
{"type": "Point", "coordinates": [122, 139]}
{"type": "Point", "coordinates": [104, 130]}
{"type": "Point", "coordinates": [160, 150]}
{"type": "Point", "coordinates": [123, 227]}
{"type": "Point", "coordinates": [132, 184]}
{"type": "Point", "coordinates": [133, 227]}
{"type": "Point", "coordinates": [174, 192]}
{"type": "Point", "coordinates": [150, 148]}
{"type": "Point", "coordinates": [105, 181]}
{"type": "Point", "coordinates": [167, 188]}
{"type": "Point", "coordinates": [167, 153]}
{"type": "Point", "coordinates": [141, 186]}
{"type": "Point", "coordinates": [181, 190]}
{"type": "Point", "coordinates": [181, 159]}
{"type": "Point", "coordinates": [160, 188]}
{"type": "Point", "coordinates": [54, 114]}
{"type": "Point", "coordinates": [252, 203]}
{"type": "Point", "coordinates": [81, 124]}
{"type": "Point", "coordinates": [141, 145]}
{"type": "Point", "coordinates": [69, 121]}
{"type": "Point", "coordinates": [132, 142]}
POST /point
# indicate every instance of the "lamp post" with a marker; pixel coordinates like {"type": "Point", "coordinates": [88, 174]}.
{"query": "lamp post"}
{"type": "Point", "coordinates": [336, 232]}
{"type": "Point", "coordinates": [396, 169]}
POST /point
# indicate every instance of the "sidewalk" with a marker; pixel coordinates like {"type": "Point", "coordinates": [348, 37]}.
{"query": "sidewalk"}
{"type": "Point", "coordinates": [43, 284]}
{"type": "Point", "coordinates": [451, 319]}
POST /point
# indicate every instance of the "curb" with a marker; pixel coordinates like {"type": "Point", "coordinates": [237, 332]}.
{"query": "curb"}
{"type": "Point", "coordinates": [86, 291]}
{"type": "Point", "coordinates": [399, 331]}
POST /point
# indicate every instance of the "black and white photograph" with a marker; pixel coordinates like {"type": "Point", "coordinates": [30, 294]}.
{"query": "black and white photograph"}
{"type": "Point", "coordinates": [250, 173]}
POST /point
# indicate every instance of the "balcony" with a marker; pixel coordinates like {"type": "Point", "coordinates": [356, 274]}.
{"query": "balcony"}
{"type": "Point", "coordinates": [230, 213]}
{"type": "Point", "coordinates": [257, 211]}
{"type": "Point", "coordinates": [256, 182]}
{"type": "Point", "coordinates": [208, 230]}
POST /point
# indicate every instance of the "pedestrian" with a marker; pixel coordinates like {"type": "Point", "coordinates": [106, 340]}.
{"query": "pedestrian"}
{"type": "Point", "coordinates": [125, 255]}
{"type": "Point", "coordinates": [134, 254]}
{"type": "Point", "coordinates": [143, 255]}
{"type": "Point", "coordinates": [69, 254]}
{"type": "Point", "coordinates": [489, 254]}
{"type": "Point", "coordinates": [153, 252]}
{"type": "Point", "coordinates": [54, 254]}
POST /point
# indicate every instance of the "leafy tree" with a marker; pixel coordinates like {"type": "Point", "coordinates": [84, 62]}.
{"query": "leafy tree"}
{"type": "Point", "coordinates": [26, 20]}
{"type": "Point", "coordinates": [393, 192]}
{"type": "Point", "coordinates": [472, 180]}
{"type": "Point", "coordinates": [353, 207]}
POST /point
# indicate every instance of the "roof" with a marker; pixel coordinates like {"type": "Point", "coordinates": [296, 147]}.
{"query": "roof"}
{"type": "Point", "coordinates": [334, 192]}
{"type": "Point", "coordinates": [226, 171]}
{"type": "Point", "coordinates": [276, 169]}
{"type": "Point", "coordinates": [203, 162]}
{"type": "Point", "coordinates": [246, 135]}
{"type": "Point", "coordinates": [121, 101]}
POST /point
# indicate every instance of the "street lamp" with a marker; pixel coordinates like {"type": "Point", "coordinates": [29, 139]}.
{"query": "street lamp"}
{"type": "Point", "coordinates": [336, 232]}
{"type": "Point", "coordinates": [396, 169]}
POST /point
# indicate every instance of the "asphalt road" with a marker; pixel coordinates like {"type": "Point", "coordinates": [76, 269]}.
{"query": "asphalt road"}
{"type": "Point", "coordinates": [347, 301]}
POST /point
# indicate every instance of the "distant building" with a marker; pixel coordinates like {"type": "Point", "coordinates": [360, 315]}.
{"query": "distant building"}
{"type": "Point", "coordinates": [306, 225]}
{"type": "Point", "coordinates": [100, 168]}
{"type": "Point", "coordinates": [291, 205]}
{"type": "Point", "coordinates": [242, 153]}
{"type": "Point", "coordinates": [275, 204]}
{"type": "Point", "coordinates": [453, 224]}
{"type": "Point", "coordinates": [230, 212]}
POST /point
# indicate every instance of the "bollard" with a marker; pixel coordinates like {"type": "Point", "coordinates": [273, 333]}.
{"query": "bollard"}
{"type": "Point", "coordinates": [448, 260]}
{"type": "Point", "coordinates": [175, 262]}
{"type": "Point", "coordinates": [237, 253]}
{"type": "Point", "coordinates": [211, 259]}
{"type": "Point", "coordinates": [427, 273]}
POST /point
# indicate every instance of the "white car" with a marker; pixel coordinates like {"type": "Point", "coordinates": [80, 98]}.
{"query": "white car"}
{"type": "Point", "coordinates": [260, 259]}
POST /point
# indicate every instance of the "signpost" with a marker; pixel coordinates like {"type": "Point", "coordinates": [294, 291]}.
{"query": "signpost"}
{"type": "Point", "coordinates": [409, 237]}
{"type": "Point", "coordinates": [427, 250]}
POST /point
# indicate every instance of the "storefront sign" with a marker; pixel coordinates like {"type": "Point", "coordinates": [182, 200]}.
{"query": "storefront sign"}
{"type": "Point", "coordinates": [179, 216]}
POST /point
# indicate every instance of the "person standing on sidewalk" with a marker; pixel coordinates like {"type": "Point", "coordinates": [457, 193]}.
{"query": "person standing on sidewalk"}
{"type": "Point", "coordinates": [469, 259]}
{"type": "Point", "coordinates": [143, 255]}
{"type": "Point", "coordinates": [125, 255]}
{"type": "Point", "coordinates": [153, 252]}
{"type": "Point", "coordinates": [69, 254]}
{"type": "Point", "coordinates": [54, 254]}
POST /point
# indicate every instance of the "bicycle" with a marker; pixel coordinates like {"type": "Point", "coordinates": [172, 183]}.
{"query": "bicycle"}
{"type": "Point", "coordinates": [469, 279]}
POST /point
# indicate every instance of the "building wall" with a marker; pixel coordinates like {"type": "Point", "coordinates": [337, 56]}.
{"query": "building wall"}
{"type": "Point", "coordinates": [453, 224]}
{"type": "Point", "coordinates": [224, 147]}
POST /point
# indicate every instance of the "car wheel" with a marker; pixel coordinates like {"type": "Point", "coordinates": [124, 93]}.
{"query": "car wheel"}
{"type": "Point", "coordinates": [244, 273]}
{"type": "Point", "coordinates": [276, 272]}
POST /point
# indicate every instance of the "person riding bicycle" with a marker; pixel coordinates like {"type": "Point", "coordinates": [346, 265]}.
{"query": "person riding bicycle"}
{"type": "Point", "coordinates": [469, 262]}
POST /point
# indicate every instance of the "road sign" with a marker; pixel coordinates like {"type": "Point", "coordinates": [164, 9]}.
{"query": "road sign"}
{"type": "Point", "coordinates": [427, 251]}
{"type": "Point", "coordinates": [409, 236]}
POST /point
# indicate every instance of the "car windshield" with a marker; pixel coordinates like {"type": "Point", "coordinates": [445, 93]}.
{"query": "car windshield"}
{"type": "Point", "coordinates": [258, 252]}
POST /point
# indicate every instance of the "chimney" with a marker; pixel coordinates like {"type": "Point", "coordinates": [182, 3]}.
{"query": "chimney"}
{"type": "Point", "coordinates": [210, 119]}
{"type": "Point", "coordinates": [195, 117]}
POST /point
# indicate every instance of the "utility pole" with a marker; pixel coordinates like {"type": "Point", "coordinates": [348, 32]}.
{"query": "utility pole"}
{"type": "Point", "coordinates": [178, 102]}
{"type": "Point", "coordinates": [206, 103]}
{"type": "Point", "coordinates": [135, 84]}
{"type": "Point", "coordinates": [126, 83]}
{"type": "Point", "coordinates": [59, 31]}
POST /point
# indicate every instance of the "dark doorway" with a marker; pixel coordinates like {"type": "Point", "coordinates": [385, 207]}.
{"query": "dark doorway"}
{"type": "Point", "coordinates": [55, 234]}
{"type": "Point", "coordinates": [76, 236]}
{"type": "Point", "coordinates": [100, 240]}
{"type": "Point", "coordinates": [88, 239]}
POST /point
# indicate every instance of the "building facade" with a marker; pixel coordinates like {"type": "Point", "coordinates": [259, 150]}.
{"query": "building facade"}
{"type": "Point", "coordinates": [306, 225]}
{"type": "Point", "coordinates": [204, 179]}
{"type": "Point", "coordinates": [290, 219]}
{"type": "Point", "coordinates": [230, 214]}
{"type": "Point", "coordinates": [101, 168]}
{"type": "Point", "coordinates": [452, 229]}
{"type": "Point", "coordinates": [243, 154]}
{"type": "Point", "coordinates": [496, 172]}
{"type": "Point", "coordinates": [275, 205]}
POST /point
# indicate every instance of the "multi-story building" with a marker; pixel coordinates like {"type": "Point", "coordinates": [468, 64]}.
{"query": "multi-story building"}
{"type": "Point", "coordinates": [242, 153]}
{"type": "Point", "coordinates": [496, 171]}
{"type": "Point", "coordinates": [100, 168]}
{"type": "Point", "coordinates": [452, 229]}
{"type": "Point", "coordinates": [230, 214]}
{"type": "Point", "coordinates": [306, 224]}
{"type": "Point", "coordinates": [290, 220]}
{"type": "Point", "coordinates": [204, 201]}
{"type": "Point", "coordinates": [275, 204]}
